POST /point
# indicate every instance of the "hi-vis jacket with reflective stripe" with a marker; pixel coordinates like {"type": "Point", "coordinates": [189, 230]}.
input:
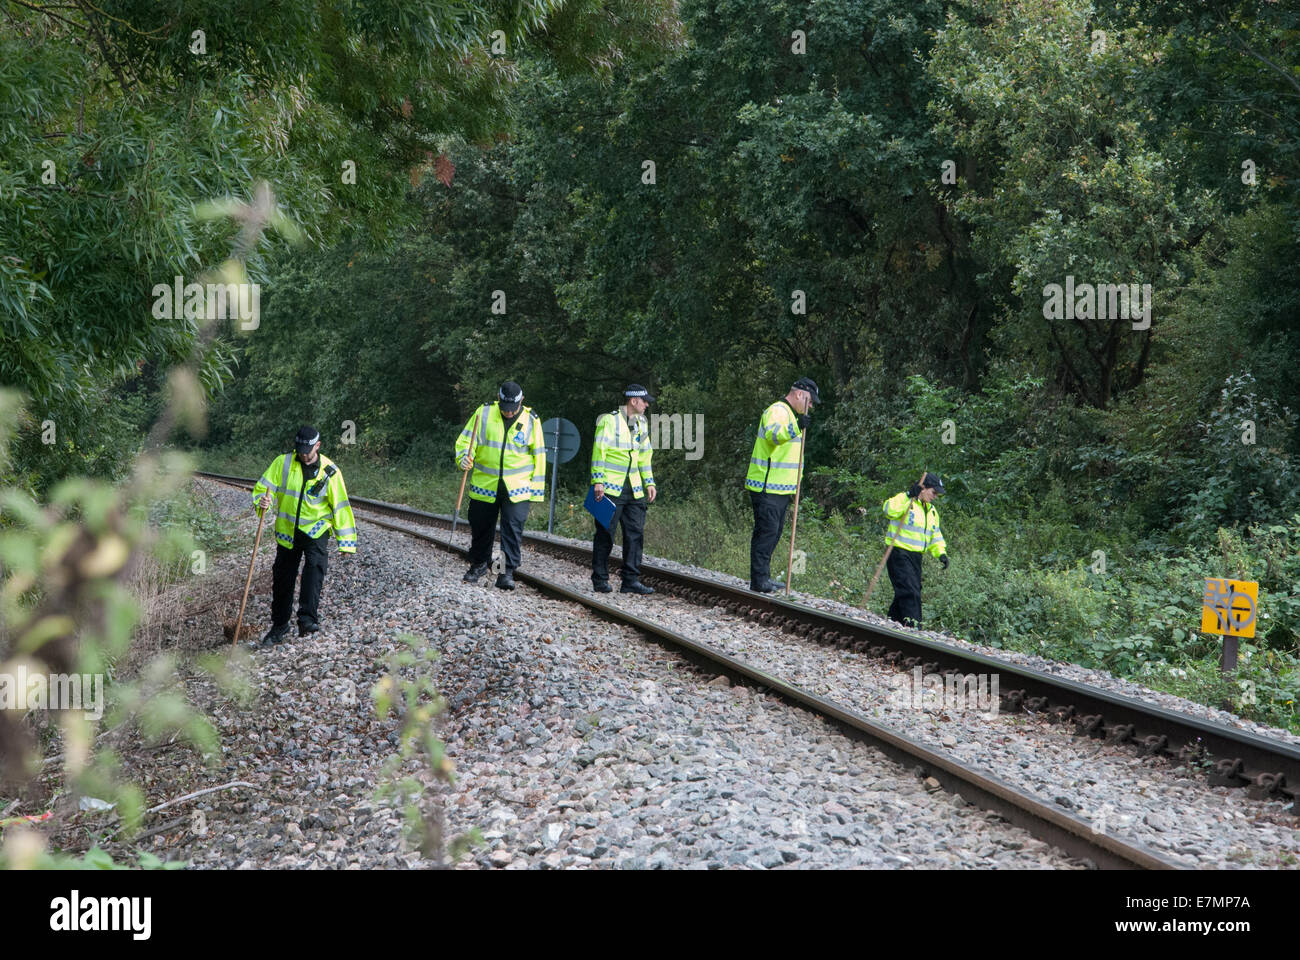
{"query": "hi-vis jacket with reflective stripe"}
{"type": "Point", "coordinates": [622, 452]}
{"type": "Point", "coordinates": [315, 505]}
{"type": "Point", "coordinates": [774, 464]}
{"type": "Point", "coordinates": [519, 459]}
{"type": "Point", "coordinates": [915, 526]}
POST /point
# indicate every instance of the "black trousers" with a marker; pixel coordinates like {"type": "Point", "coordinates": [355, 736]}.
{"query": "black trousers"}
{"type": "Point", "coordinates": [769, 516]}
{"type": "Point", "coordinates": [483, 522]}
{"type": "Point", "coordinates": [285, 571]}
{"type": "Point", "coordinates": [905, 574]}
{"type": "Point", "coordinates": [630, 514]}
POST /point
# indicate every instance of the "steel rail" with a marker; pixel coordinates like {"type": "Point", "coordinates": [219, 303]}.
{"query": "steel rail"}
{"type": "Point", "coordinates": [1269, 769]}
{"type": "Point", "coordinates": [1048, 823]}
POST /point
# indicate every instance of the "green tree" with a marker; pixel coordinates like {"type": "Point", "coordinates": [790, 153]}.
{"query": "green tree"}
{"type": "Point", "coordinates": [119, 119]}
{"type": "Point", "coordinates": [1073, 175]}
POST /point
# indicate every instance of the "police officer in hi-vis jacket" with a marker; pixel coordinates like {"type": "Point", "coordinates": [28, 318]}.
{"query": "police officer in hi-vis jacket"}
{"type": "Point", "coordinates": [503, 443]}
{"type": "Point", "coordinates": [773, 474]}
{"type": "Point", "coordinates": [306, 489]}
{"type": "Point", "coordinates": [620, 470]}
{"type": "Point", "coordinates": [913, 530]}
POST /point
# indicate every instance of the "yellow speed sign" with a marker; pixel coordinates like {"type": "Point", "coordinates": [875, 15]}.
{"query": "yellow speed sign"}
{"type": "Point", "coordinates": [1229, 607]}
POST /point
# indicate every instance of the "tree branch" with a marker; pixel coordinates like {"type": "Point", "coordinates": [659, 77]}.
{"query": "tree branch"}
{"type": "Point", "coordinates": [1139, 369]}
{"type": "Point", "coordinates": [46, 11]}
{"type": "Point", "coordinates": [1244, 48]}
{"type": "Point", "coordinates": [102, 43]}
{"type": "Point", "coordinates": [505, 196]}
{"type": "Point", "coordinates": [199, 793]}
{"type": "Point", "coordinates": [1069, 367]}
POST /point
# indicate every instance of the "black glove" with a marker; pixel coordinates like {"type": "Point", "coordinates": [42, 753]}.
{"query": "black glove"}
{"type": "Point", "coordinates": [804, 421]}
{"type": "Point", "coordinates": [944, 560]}
{"type": "Point", "coordinates": [914, 490]}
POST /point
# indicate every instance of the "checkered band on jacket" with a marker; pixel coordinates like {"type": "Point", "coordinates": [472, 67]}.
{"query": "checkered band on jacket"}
{"type": "Point", "coordinates": [315, 513]}
{"type": "Point", "coordinates": [622, 453]}
{"type": "Point", "coordinates": [774, 462]}
{"type": "Point", "coordinates": [516, 455]}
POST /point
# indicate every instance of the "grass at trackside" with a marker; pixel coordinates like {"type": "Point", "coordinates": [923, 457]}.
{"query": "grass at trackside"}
{"type": "Point", "coordinates": [989, 595]}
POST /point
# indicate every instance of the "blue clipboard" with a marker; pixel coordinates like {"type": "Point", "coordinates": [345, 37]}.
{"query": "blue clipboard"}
{"type": "Point", "coordinates": [602, 509]}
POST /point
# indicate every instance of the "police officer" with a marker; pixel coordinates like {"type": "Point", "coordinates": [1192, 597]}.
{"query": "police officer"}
{"type": "Point", "coordinates": [620, 469]}
{"type": "Point", "coordinates": [774, 474]}
{"type": "Point", "coordinates": [914, 530]}
{"type": "Point", "coordinates": [504, 445]}
{"type": "Point", "coordinates": [310, 500]}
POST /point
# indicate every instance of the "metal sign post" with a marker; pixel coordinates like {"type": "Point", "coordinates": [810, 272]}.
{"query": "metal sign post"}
{"type": "Point", "coordinates": [555, 476]}
{"type": "Point", "coordinates": [1229, 608]}
{"type": "Point", "coordinates": [562, 442]}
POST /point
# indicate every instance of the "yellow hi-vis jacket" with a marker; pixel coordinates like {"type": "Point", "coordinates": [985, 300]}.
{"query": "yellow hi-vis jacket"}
{"type": "Point", "coordinates": [622, 453]}
{"type": "Point", "coordinates": [519, 459]}
{"type": "Point", "coordinates": [774, 464]}
{"type": "Point", "coordinates": [315, 506]}
{"type": "Point", "coordinates": [915, 526]}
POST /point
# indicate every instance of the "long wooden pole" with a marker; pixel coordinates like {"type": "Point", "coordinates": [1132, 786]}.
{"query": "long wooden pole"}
{"type": "Point", "coordinates": [794, 523]}
{"type": "Point", "coordinates": [455, 517]}
{"type": "Point", "coordinates": [239, 621]}
{"type": "Point", "coordinates": [888, 550]}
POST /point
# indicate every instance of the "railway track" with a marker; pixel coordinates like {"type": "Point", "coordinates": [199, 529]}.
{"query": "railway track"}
{"type": "Point", "coordinates": [1049, 823]}
{"type": "Point", "coordinates": [1267, 769]}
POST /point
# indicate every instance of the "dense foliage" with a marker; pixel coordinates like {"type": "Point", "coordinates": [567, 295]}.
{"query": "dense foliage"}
{"type": "Point", "coordinates": [713, 198]}
{"type": "Point", "coordinates": [118, 121]}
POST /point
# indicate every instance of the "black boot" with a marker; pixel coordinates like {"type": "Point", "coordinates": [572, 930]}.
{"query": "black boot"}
{"type": "Point", "coordinates": [763, 586]}
{"type": "Point", "coordinates": [275, 635]}
{"type": "Point", "coordinates": [601, 586]}
{"type": "Point", "coordinates": [636, 586]}
{"type": "Point", "coordinates": [475, 571]}
{"type": "Point", "coordinates": [506, 579]}
{"type": "Point", "coordinates": [306, 625]}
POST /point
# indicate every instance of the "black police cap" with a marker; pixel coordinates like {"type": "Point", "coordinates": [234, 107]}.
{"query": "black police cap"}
{"type": "Point", "coordinates": [806, 383]}
{"type": "Point", "coordinates": [306, 438]}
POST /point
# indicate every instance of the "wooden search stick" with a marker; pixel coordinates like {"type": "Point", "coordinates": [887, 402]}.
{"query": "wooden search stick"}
{"type": "Point", "coordinates": [261, 519]}
{"type": "Point", "coordinates": [794, 522]}
{"type": "Point", "coordinates": [455, 517]}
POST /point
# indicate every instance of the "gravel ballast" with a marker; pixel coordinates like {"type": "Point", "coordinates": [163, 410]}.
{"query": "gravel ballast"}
{"type": "Point", "coordinates": [1152, 801]}
{"type": "Point", "coordinates": [576, 743]}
